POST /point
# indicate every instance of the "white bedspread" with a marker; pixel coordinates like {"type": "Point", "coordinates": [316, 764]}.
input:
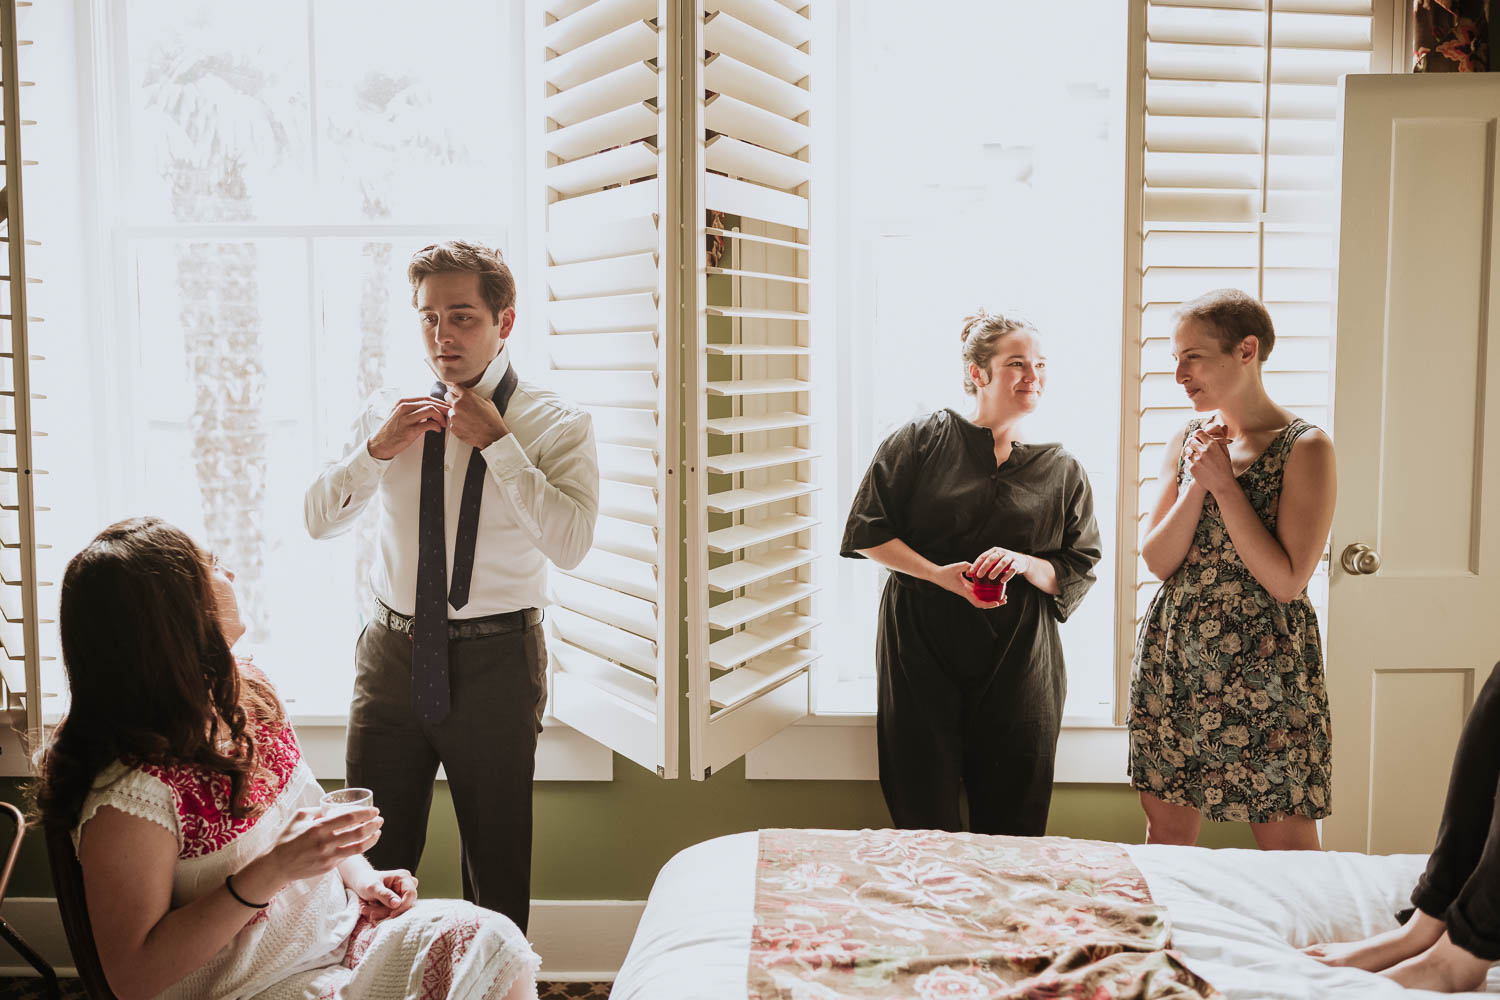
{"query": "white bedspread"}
{"type": "Point", "coordinates": [1238, 917]}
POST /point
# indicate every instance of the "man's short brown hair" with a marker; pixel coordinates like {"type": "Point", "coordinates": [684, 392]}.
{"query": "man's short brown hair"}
{"type": "Point", "coordinates": [496, 284]}
{"type": "Point", "coordinates": [1232, 315]}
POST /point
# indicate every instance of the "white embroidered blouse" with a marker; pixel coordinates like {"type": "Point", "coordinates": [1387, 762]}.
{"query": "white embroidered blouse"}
{"type": "Point", "coordinates": [307, 924]}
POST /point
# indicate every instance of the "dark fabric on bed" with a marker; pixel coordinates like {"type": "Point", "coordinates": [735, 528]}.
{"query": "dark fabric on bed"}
{"type": "Point", "coordinates": [972, 697]}
{"type": "Point", "coordinates": [1461, 885]}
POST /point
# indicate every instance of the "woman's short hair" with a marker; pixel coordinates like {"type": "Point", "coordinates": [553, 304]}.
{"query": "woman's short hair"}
{"type": "Point", "coordinates": [496, 283]}
{"type": "Point", "coordinates": [981, 340]}
{"type": "Point", "coordinates": [1232, 315]}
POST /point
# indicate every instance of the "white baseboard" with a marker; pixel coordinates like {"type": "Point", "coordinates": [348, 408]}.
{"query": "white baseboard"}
{"type": "Point", "coordinates": [583, 940]}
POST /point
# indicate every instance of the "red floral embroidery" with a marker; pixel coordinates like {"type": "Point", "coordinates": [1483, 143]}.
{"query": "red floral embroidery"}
{"type": "Point", "coordinates": [359, 940]}
{"type": "Point", "coordinates": [443, 954]}
{"type": "Point", "coordinates": [202, 796]}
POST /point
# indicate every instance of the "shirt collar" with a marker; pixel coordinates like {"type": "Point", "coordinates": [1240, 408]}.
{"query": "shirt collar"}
{"type": "Point", "coordinates": [490, 380]}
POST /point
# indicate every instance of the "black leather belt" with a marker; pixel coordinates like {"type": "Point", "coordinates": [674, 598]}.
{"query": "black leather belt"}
{"type": "Point", "coordinates": [464, 628]}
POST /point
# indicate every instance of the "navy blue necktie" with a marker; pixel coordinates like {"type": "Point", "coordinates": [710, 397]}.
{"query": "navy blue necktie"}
{"type": "Point", "coordinates": [429, 659]}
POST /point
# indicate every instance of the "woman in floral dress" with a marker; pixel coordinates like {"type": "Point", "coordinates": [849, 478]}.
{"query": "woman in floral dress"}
{"type": "Point", "coordinates": [210, 869]}
{"type": "Point", "coordinates": [1228, 709]}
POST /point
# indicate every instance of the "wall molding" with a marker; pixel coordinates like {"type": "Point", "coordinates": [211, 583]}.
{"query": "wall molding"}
{"type": "Point", "coordinates": [579, 940]}
{"type": "Point", "coordinates": [842, 748]}
{"type": "Point", "coordinates": [562, 753]}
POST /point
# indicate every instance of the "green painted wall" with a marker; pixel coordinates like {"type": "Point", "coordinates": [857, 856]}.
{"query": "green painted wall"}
{"type": "Point", "coordinates": [607, 840]}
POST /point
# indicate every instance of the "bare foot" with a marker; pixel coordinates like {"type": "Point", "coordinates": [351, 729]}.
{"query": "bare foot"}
{"type": "Point", "coordinates": [1443, 968]}
{"type": "Point", "coordinates": [1381, 951]}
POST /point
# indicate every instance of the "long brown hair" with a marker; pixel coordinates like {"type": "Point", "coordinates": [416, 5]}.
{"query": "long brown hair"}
{"type": "Point", "coordinates": [149, 671]}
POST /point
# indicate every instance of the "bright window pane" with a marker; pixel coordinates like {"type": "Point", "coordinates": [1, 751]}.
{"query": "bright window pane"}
{"type": "Point", "coordinates": [220, 123]}
{"type": "Point", "coordinates": [409, 124]}
{"type": "Point", "coordinates": [988, 171]}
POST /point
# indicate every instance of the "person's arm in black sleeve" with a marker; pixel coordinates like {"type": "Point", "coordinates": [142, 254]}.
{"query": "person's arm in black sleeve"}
{"type": "Point", "coordinates": [879, 511]}
{"type": "Point", "coordinates": [1081, 549]}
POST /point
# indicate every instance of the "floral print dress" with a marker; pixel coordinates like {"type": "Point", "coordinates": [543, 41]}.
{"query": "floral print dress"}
{"type": "Point", "coordinates": [1228, 709]}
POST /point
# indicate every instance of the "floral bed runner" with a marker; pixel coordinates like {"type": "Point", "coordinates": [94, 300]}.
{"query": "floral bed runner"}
{"type": "Point", "coordinates": [920, 914]}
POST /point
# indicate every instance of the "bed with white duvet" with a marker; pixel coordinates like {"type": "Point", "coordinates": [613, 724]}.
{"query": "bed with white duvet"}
{"type": "Point", "coordinates": [1237, 918]}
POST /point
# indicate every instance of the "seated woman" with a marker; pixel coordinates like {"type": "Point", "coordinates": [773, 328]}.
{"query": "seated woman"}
{"type": "Point", "coordinates": [209, 867]}
{"type": "Point", "coordinates": [1453, 935]}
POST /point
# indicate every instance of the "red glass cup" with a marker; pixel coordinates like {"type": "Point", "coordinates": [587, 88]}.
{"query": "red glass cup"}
{"type": "Point", "coordinates": [987, 589]}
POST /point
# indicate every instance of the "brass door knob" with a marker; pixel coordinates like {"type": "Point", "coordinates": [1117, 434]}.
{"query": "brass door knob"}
{"type": "Point", "coordinates": [1360, 560]}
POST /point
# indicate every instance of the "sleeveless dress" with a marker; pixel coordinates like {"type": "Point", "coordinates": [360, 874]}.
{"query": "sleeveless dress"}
{"type": "Point", "coordinates": [311, 943]}
{"type": "Point", "coordinates": [1228, 709]}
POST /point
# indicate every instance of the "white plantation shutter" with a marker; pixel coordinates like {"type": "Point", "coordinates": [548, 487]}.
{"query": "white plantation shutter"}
{"type": "Point", "coordinates": [22, 648]}
{"type": "Point", "coordinates": [613, 634]}
{"type": "Point", "coordinates": [752, 494]}
{"type": "Point", "coordinates": [1234, 175]}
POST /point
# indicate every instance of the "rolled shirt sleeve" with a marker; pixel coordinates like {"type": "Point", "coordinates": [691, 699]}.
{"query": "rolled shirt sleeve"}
{"type": "Point", "coordinates": [556, 498]}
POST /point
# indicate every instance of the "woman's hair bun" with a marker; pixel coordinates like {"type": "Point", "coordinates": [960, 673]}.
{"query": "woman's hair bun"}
{"type": "Point", "coordinates": [972, 323]}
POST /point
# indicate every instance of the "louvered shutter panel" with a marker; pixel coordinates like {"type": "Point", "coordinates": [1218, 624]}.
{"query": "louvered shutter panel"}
{"type": "Point", "coordinates": [22, 648]}
{"type": "Point", "coordinates": [753, 490]}
{"type": "Point", "coordinates": [1238, 187]}
{"type": "Point", "coordinates": [612, 630]}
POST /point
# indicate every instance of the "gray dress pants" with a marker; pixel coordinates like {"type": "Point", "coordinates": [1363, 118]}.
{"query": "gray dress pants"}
{"type": "Point", "coordinates": [486, 745]}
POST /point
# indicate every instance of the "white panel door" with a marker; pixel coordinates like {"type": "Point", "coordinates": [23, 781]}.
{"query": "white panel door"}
{"type": "Point", "coordinates": [1418, 438]}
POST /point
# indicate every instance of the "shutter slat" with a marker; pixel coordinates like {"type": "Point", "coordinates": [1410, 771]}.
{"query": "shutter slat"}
{"type": "Point", "coordinates": [614, 643]}
{"type": "Point", "coordinates": [625, 538]}
{"type": "Point", "coordinates": [737, 197]}
{"type": "Point", "coordinates": [613, 128]}
{"type": "Point", "coordinates": [733, 501]}
{"type": "Point", "coordinates": [730, 116]}
{"type": "Point", "coordinates": [753, 163]}
{"type": "Point", "coordinates": [633, 312]}
{"type": "Point", "coordinates": [769, 16]}
{"type": "Point", "coordinates": [751, 423]}
{"type": "Point", "coordinates": [621, 238]}
{"type": "Point", "coordinates": [604, 351]}
{"type": "Point", "coordinates": [742, 536]}
{"type": "Point", "coordinates": [759, 676]}
{"type": "Point", "coordinates": [633, 43]}
{"type": "Point", "coordinates": [613, 166]}
{"type": "Point", "coordinates": [623, 425]}
{"type": "Point", "coordinates": [759, 275]}
{"type": "Point", "coordinates": [743, 312]}
{"type": "Point", "coordinates": [594, 21]}
{"type": "Point", "coordinates": [757, 387]}
{"type": "Point", "coordinates": [630, 616]}
{"type": "Point", "coordinates": [757, 350]}
{"type": "Point", "coordinates": [628, 503]}
{"type": "Point", "coordinates": [617, 572]}
{"type": "Point", "coordinates": [761, 458]}
{"type": "Point", "coordinates": [593, 674]}
{"type": "Point", "coordinates": [602, 208]}
{"type": "Point", "coordinates": [609, 276]}
{"type": "Point", "coordinates": [633, 390]}
{"type": "Point", "coordinates": [753, 569]}
{"type": "Point", "coordinates": [759, 603]}
{"type": "Point", "coordinates": [723, 32]}
{"type": "Point", "coordinates": [724, 74]}
{"type": "Point", "coordinates": [625, 464]}
{"type": "Point", "coordinates": [627, 85]}
{"type": "Point", "coordinates": [730, 652]}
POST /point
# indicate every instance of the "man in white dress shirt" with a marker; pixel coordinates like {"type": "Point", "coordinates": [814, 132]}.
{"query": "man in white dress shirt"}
{"type": "Point", "coordinates": [477, 486]}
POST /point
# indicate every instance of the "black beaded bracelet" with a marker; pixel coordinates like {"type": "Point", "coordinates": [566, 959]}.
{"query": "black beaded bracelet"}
{"type": "Point", "coordinates": [241, 899]}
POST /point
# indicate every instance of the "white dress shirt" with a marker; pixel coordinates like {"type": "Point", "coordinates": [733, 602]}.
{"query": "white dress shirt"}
{"type": "Point", "coordinates": [541, 499]}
